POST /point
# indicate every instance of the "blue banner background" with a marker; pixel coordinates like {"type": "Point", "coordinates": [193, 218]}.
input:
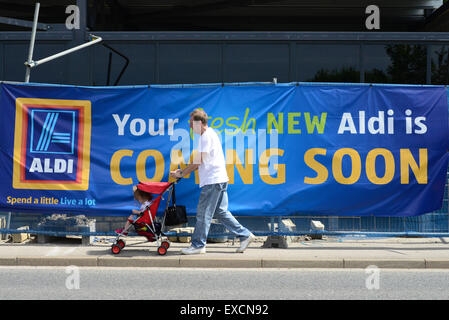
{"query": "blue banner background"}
{"type": "Point", "coordinates": [232, 106]}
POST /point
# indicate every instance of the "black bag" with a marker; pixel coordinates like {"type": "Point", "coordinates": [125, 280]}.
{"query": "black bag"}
{"type": "Point", "coordinates": [174, 214]}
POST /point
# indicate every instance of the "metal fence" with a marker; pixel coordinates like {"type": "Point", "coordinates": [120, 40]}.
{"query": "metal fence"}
{"type": "Point", "coordinates": [433, 224]}
{"type": "Point", "coordinates": [218, 57]}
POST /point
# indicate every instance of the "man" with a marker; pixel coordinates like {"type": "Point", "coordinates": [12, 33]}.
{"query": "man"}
{"type": "Point", "coordinates": [213, 177]}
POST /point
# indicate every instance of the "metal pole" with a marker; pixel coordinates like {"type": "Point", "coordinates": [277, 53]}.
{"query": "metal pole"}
{"type": "Point", "coordinates": [8, 224]}
{"type": "Point", "coordinates": [33, 37]}
{"type": "Point", "coordinates": [33, 64]}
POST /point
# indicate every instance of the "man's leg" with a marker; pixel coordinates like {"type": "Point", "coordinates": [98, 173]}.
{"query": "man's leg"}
{"type": "Point", "coordinates": [207, 204]}
{"type": "Point", "coordinates": [225, 216]}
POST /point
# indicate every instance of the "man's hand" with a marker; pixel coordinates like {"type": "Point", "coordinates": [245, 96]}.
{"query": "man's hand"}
{"type": "Point", "coordinates": [176, 174]}
{"type": "Point", "coordinates": [181, 173]}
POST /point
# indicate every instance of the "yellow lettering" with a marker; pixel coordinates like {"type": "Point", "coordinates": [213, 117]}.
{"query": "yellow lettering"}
{"type": "Point", "coordinates": [115, 167]}
{"type": "Point", "coordinates": [309, 159]}
{"type": "Point", "coordinates": [407, 161]}
{"type": "Point", "coordinates": [245, 173]}
{"type": "Point", "coordinates": [263, 167]}
{"type": "Point", "coordinates": [371, 166]}
{"type": "Point", "coordinates": [141, 165]}
{"type": "Point", "coordinates": [337, 166]}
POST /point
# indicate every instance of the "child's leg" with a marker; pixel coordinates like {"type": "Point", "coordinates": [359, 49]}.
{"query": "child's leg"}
{"type": "Point", "coordinates": [128, 222]}
{"type": "Point", "coordinates": [127, 225]}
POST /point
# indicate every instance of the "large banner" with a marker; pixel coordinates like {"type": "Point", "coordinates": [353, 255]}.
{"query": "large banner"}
{"type": "Point", "coordinates": [305, 149]}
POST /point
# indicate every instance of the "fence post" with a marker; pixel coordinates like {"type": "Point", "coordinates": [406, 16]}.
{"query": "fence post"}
{"type": "Point", "coordinates": [33, 38]}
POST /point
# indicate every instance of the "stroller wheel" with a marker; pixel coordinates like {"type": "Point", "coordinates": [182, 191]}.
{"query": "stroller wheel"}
{"type": "Point", "coordinates": [115, 249]}
{"type": "Point", "coordinates": [121, 243]}
{"type": "Point", "coordinates": [162, 250]}
{"type": "Point", "coordinates": [166, 244]}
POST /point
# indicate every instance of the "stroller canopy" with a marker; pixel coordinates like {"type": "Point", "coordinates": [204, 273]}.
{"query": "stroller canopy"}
{"type": "Point", "coordinates": [153, 187]}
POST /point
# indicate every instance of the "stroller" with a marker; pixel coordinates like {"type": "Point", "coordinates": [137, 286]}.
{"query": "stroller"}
{"type": "Point", "coordinates": [145, 223]}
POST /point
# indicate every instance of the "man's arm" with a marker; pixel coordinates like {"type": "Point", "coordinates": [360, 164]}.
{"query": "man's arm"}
{"type": "Point", "coordinates": [190, 168]}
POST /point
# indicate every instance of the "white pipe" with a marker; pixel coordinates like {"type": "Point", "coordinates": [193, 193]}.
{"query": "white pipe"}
{"type": "Point", "coordinates": [33, 64]}
{"type": "Point", "coordinates": [33, 38]}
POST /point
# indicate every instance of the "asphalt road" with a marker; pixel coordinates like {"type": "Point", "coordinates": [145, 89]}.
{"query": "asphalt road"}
{"type": "Point", "coordinates": [62, 283]}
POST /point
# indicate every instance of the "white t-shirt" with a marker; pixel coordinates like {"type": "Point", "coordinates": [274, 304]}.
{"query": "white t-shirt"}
{"type": "Point", "coordinates": [213, 167]}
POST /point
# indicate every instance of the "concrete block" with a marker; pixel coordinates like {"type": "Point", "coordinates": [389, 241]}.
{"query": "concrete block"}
{"type": "Point", "coordinates": [88, 240]}
{"type": "Point", "coordinates": [317, 225]}
{"type": "Point", "coordinates": [276, 242]}
{"type": "Point", "coordinates": [289, 224]}
{"type": "Point", "coordinates": [21, 237]}
{"type": "Point", "coordinates": [43, 238]}
{"type": "Point", "coordinates": [3, 236]}
{"type": "Point", "coordinates": [185, 239]}
{"type": "Point", "coordinates": [173, 238]}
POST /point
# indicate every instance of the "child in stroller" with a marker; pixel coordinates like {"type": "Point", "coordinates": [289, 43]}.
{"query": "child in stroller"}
{"type": "Point", "coordinates": [144, 220]}
{"type": "Point", "coordinates": [144, 199]}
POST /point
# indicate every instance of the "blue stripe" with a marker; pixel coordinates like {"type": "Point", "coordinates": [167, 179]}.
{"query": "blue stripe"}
{"type": "Point", "coordinates": [60, 140]}
{"type": "Point", "coordinates": [51, 131]}
{"type": "Point", "coordinates": [44, 140]}
{"type": "Point", "coordinates": [44, 128]}
{"type": "Point", "coordinates": [45, 131]}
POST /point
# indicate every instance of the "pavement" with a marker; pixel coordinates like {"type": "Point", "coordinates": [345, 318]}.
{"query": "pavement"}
{"type": "Point", "coordinates": [329, 252]}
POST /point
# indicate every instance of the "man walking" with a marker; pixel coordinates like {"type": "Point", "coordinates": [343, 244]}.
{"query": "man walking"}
{"type": "Point", "coordinates": [213, 177]}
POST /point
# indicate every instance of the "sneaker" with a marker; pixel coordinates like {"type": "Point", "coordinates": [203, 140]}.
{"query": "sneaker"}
{"type": "Point", "coordinates": [193, 250]}
{"type": "Point", "coordinates": [245, 243]}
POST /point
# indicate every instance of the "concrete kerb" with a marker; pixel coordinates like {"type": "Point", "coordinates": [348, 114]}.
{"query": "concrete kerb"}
{"type": "Point", "coordinates": [437, 264]}
{"type": "Point", "coordinates": [294, 263]}
{"type": "Point", "coordinates": [10, 261]}
{"type": "Point", "coordinates": [391, 253]}
{"type": "Point", "coordinates": [203, 262]}
{"type": "Point", "coordinates": [138, 262]}
{"type": "Point", "coordinates": [57, 261]}
{"type": "Point", "coordinates": [385, 263]}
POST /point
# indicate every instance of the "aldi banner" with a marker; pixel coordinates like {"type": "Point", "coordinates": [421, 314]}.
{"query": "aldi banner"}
{"type": "Point", "coordinates": [302, 149]}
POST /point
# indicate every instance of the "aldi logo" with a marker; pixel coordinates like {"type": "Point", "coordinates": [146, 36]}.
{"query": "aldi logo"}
{"type": "Point", "coordinates": [52, 144]}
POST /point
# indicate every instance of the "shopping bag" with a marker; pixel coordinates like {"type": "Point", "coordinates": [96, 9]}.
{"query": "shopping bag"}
{"type": "Point", "coordinates": [175, 215]}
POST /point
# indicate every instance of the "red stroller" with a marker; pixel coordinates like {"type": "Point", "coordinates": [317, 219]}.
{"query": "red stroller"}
{"type": "Point", "coordinates": [145, 223]}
